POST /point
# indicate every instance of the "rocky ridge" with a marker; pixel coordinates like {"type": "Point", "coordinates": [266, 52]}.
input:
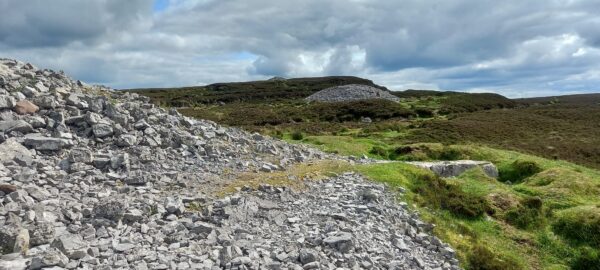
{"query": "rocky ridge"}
{"type": "Point", "coordinates": [351, 92]}
{"type": "Point", "coordinates": [92, 178]}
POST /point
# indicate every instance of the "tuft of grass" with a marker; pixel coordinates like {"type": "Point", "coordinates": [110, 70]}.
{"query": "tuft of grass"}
{"type": "Point", "coordinates": [580, 224]}
{"type": "Point", "coordinates": [588, 259]}
{"type": "Point", "coordinates": [517, 171]}
{"type": "Point", "coordinates": [527, 215]}
{"type": "Point", "coordinates": [483, 258]}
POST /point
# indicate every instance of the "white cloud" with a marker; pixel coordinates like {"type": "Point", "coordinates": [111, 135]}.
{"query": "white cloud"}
{"type": "Point", "coordinates": [512, 47]}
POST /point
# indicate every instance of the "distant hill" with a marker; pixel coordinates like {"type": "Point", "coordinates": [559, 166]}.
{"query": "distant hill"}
{"type": "Point", "coordinates": [581, 99]}
{"type": "Point", "coordinates": [268, 90]}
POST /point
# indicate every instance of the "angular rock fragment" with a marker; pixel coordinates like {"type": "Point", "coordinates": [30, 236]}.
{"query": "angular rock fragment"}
{"type": "Point", "coordinates": [39, 142]}
{"type": "Point", "coordinates": [25, 107]}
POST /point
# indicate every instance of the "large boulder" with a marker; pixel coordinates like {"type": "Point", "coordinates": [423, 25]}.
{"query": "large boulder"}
{"type": "Point", "coordinates": [457, 167]}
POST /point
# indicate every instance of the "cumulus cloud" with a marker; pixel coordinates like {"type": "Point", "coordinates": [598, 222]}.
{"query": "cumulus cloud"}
{"type": "Point", "coordinates": [512, 47]}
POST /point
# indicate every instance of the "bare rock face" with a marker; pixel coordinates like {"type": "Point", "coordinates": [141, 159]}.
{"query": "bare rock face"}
{"type": "Point", "coordinates": [457, 167]}
{"type": "Point", "coordinates": [351, 92]}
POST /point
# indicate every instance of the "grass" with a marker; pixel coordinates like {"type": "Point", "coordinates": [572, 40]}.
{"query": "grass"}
{"type": "Point", "coordinates": [482, 217]}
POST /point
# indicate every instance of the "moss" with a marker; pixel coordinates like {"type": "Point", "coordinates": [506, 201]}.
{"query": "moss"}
{"type": "Point", "coordinates": [580, 224]}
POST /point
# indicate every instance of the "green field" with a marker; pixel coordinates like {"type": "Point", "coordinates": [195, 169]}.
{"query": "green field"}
{"type": "Point", "coordinates": [543, 212]}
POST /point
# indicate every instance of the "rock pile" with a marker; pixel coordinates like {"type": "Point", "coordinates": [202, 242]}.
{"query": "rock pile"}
{"type": "Point", "coordinates": [92, 178]}
{"type": "Point", "coordinates": [351, 92]}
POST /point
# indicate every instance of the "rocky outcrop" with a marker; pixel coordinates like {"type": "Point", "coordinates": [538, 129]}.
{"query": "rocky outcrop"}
{"type": "Point", "coordinates": [100, 179]}
{"type": "Point", "coordinates": [351, 92]}
{"type": "Point", "coordinates": [457, 167]}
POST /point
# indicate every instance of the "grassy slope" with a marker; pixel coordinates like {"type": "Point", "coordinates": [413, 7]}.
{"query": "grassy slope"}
{"type": "Point", "coordinates": [560, 185]}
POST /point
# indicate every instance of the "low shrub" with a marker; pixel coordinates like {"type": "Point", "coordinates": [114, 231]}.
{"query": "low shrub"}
{"type": "Point", "coordinates": [437, 192]}
{"type": "Point", "coordinates": [580, 224]}
{"type": "Point", "coordinates": [424, 112]}
{"type": "Point", "coordinates": [527, 215]}
{"type": "Point", "coordinates": [297, 135]}
{"type": "Point", "coordinates": [449, 153]}
{"type": "Point", "coordinates": [482, 258]}
{"type": "Point", "coordinates": [518, 170]}
{"type": "Point", "coordinates": [588, 259]}
{"type": "Point", "coordinates": [379, 151]}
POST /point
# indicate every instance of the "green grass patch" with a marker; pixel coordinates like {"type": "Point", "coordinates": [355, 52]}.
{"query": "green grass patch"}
{"type": "Point", "coordinates": [580, 224]}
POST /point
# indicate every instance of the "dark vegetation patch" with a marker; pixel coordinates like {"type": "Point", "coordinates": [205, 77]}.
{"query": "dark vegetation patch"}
{"type": "Point", "coordinates": [258, 115]}
{"type": "Point", "coordinates": [566, 132]}
{"type": "Point", "coordinates": [439, 193]}
{"type": "Point", "coordinates": [475, 102]}
{"type": "Point", "coordinates": [588, 259]}
{"type": "Point", "coordinates": [529, 214]}
{"type": "Point", "coordinates": [255, 91]}
{"type": "Point", "coordinates": [517, 171]}
{"type": "Point", "coordinates": [580, 224]}
{"type": "Point", "coordinates": [483, 258]}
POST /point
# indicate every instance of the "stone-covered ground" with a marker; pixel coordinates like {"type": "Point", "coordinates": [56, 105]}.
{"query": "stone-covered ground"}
{"type": "Point", "coordinates": [92, 178]}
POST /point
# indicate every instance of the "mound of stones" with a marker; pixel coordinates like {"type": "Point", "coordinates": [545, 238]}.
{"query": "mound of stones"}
{"type": "Point", "coordinates": [351, 92]}
{"type": "Point", "coordinates": [92, 178]}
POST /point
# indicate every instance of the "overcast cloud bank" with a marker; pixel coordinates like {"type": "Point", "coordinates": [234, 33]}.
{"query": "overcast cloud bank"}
{"type": "Point", "coordinates": [514, 48]}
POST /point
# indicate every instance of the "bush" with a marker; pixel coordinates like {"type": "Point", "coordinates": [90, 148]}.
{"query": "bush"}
{"type": "Point", "coordinates": [379, 151]}
{"type": "Point", "coordinates": [580, 224]}
{"type": "Point", "coordinates": [518, 171]}
{"type": "Point", "coordinates": [482, 258]}
{"type": "Point", "coordinates": [424, 112]}
{"type": "Point", "coordinates": [450, 154]}
{"type": "Point", "coordinates": [438, 193]}
{"type": "Point", "coordinates": [297, 136]}
{"type": "Point", "coordinates": [528, 215]}
{"type": "Point", "coordinates": [589, 259]}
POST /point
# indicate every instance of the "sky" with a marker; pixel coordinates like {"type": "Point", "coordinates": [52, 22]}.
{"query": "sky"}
{"type": "Point", "coordinates": [512, 47]}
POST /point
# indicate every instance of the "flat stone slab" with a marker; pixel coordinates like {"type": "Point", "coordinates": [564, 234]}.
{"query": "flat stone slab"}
{"type": "Point", "coordinates": [456, 167]}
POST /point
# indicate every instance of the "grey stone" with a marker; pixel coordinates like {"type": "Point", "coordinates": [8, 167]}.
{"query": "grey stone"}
{"type": "Point", "coordinates": [15, 125]}
{"type": "Point", "coordinates": [7, 102]}
{"type": "Point", "coordinates": [457, 167]}
{"type": "Point", "coordinates": [102, 130]}
{"type": "Point", "coordinates": [39, 142]}
{"type": "Point", "coordinates": [71, 245]}
{"type": "Point", "coordinates": [174, 205]}
{"type": "Point", "coordinates": [41, 233]}
{"type": "Point", "coordinates": [308, 256]}
{"type": "Point", "coordinates": [10, 149]}
{"type": "Point", "coordinates": [342, 241]}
